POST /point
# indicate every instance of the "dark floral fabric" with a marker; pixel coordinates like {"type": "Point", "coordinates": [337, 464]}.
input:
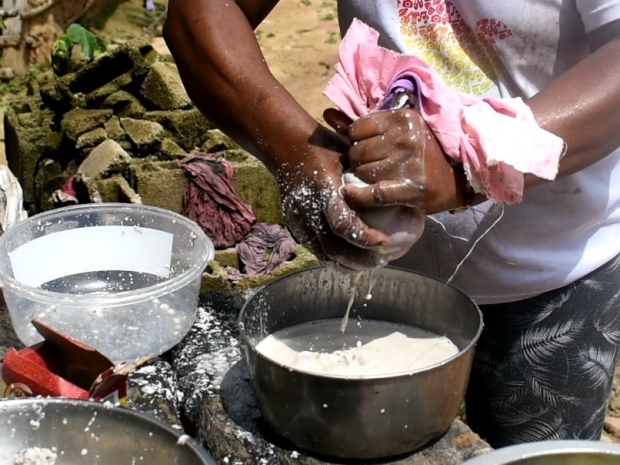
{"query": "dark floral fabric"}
{"type": "Point", "coordinates": [544, 367]}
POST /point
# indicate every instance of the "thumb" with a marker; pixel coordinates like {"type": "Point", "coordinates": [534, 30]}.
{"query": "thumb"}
{"type": "Point", "coordinates": [337, 120]}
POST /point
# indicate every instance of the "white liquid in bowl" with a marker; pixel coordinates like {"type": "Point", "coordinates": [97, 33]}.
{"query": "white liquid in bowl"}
{"type": "Point", "coordinates": [368, 348]}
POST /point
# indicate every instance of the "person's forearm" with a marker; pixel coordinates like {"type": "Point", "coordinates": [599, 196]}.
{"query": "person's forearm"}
{"type": "Point", "coordinates": [225, 74]}
{"type": "Point", "coordinates": [581, 106]}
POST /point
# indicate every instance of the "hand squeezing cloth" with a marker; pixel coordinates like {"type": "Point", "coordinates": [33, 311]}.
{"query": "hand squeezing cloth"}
{"type": "Point", "coordinates": [496, 139]}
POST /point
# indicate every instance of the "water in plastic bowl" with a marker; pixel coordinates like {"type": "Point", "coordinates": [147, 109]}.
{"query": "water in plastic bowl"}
{"type": "Point", "coordinates": [121, 278]}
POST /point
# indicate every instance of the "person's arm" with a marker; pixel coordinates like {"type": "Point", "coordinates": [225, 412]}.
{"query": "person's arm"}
{"type": "Point", "coordinates": [225, 74]}
{"type": "Point", "coordinates": [582, 105]}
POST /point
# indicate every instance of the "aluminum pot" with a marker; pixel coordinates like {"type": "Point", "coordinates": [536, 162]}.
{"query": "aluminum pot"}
{"type": "Point", "coordinates": [91, 433]}
{"type": "Point", "coordinates": [553, 453]}
{"type": "Point", "coordinates": [373, 417]}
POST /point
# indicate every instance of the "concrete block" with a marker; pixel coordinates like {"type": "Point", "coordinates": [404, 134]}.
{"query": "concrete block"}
{"type": "Point", "coordinates": [91, 139]}
{"type": "Point", "coordinates": [217, 141]}
{"type": "Point", "coordinates": [124, 104]}
{"type": "Point", "coordinates": [105, 159]}
{"type": "Point", "coordinates": [170, 150]}
{"type": "Point", "coordinates": [111, 72]}
{"type": "Point", "coordinates": [25, 145]}
{"type": "Point", "coordinates": [50, 176]}
{"type": "Point", "coordinates": [114, 129]}
{"type": "Point", "coordinates": [117, 189]}
{"type": "Point", "coordinates": [256, 186]}
{"type": "Point", "coordinates": [164, 88]}
{"type": "Point", "coordinates": [160, 184]}
{"type": "Point", "coordinates": [145, 135]}
{"type": "Point", "coordinates": [188, 128]}
{"type": "Point", "coordinates": [79, 121]}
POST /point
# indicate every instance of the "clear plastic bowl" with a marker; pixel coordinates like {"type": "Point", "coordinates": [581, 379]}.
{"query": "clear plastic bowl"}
{"type": "Point", "coordinates": [122, 278]}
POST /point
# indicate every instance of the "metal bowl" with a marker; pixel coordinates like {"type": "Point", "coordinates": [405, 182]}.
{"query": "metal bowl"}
{"type": "Point", "coordinates": [553, 453]}
{"type": "Point", "coordinates": [92, 433]}
{"type": "Point", "coordinates": [373, 417]}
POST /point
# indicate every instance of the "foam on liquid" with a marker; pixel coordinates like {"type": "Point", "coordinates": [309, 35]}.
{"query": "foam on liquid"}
{"type": "Point", "coordinates": [368, 348]}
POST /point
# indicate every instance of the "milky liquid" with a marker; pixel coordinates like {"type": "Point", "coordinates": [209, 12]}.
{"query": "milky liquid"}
{"type": "Point", "coordinates": [352, 295]}
{"type": "Point", "coordinates": [368, 348]}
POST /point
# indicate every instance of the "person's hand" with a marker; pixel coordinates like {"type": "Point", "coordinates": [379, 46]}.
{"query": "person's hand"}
{"type": "Point", "coordinates": [316, 213]}
{"type": "Point", "coordinates": [398, 155]}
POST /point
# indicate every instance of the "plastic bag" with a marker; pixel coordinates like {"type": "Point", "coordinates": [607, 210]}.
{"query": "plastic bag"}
{"type": "Point", "coordinates": [402, 225]}
{"type": "Point", "coordinates": [11, 199]}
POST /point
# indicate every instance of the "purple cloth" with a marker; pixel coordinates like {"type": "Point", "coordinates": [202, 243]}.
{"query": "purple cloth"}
{"type": "Point", "coordinates": [404, 83]}
{"type": "Point", "coordinates": [265, 248]}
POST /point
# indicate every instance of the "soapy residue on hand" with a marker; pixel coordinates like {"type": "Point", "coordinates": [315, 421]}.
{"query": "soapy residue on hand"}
{"type": "Point", "coordinates": [35, 456]}
{"type": "Point", "coordinates": [369, 348]}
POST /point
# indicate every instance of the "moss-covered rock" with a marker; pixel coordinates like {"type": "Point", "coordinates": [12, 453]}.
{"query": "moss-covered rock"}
{"type": "Point", "coordinates": [217, 141]}
{"type": "Point", "coordinates": [111, 72]}
{"type": "Point", "coordinates": [91, 138]}
{"type": "Point", "coordinates": [124, 104]}
{"type": "Point", "coordinates": [50, 176]}
{"type": "Point", "coordinates": [104, 160]}
{"type": "Point", "coordinates": [227, 257]}
{"type": "Point", "coordinates": [25, 145]}
{"type": "Point", "coordinates": [145, 135]}
{"type": "Point", "coordinates": [164, 88]}
{"type": "Point", "coordinates": [114, 129]}
{"type": "Point", "coordinates": [255, 185]}
{"type": "Point", "coordinates": [170, 150]}
{"type": "Point", "coordinates": [188, 128]}
{"type": "Point", "coordinates": [79, 121]}
{"type": "Point", "coordinates": [215, 278]}
{"type": "Point", "coordinates": [160, 184]}
{"type": "Point", "coordinates": [117, 189]}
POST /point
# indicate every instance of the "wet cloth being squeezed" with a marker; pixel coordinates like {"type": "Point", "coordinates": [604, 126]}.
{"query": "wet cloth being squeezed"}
{"type": "Point", "coordinates": [212, 201]}
{"type": "Point", "coordinates": [496, 139]}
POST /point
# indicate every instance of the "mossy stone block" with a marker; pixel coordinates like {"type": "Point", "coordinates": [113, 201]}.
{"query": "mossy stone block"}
{"type": "Point", "coordinates": [188, 128]}
{"type": "Point", "coordinates": [79, 121]}
{"type": "Point", "coordinates": [217, 141]}
{"type": "Point", "coordinates": [144, 134]}
{"type": "Point", "coordinates": [91, 138]}
{"type": "Point", "coordinates": [163, 87]}
{"type": "Point", "coordinates": [124, 104]}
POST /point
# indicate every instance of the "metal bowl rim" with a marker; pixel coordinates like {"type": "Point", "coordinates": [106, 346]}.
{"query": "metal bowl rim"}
{"type": "Point", "coordinates": [119, 298]}
{"type": "Point", "coordinates": [196, 448]}
{"type": "Point", "coordinates": [390, 376]}
{"type": "Point", "coordinates": [511, 454]}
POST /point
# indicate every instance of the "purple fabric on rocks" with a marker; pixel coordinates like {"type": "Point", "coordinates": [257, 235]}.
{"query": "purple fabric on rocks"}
{"type": "Point", "coordinates": [265, 248]}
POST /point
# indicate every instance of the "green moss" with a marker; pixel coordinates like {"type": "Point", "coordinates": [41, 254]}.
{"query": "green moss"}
{"type": "Point", "coordinates": [227, 257]}
{"type": "Point", "coordinates": [217, 141]}
{"type": "Point", "coordinates": [144, 134]}
{"type": "Point", "coordinates": [188, 128]}
{"type": "Point", "coordinates": [303, 259]}
{"type": "Point", "coordinates": [170, 150]}
{"type": "Point", "coordinates": [91, 138]}
{"type": "Point", "coordinates": [256, 186]}
{"type": "Point", "coordinates": [164, 88]}
{"type": "Point", "coordinates": [79, 121]}
{"type": "Point", "coordinates": [215, 278]}
{"type": "Point", "coordinates": [124, 104]}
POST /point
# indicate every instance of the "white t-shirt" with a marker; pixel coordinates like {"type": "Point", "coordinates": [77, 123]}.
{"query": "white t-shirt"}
{"type": "Point", "coordinates": [562, 230]}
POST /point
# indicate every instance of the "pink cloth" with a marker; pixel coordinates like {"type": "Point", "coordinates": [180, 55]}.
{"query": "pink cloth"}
{"type": "Point", "coordinates": [497, 140]}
